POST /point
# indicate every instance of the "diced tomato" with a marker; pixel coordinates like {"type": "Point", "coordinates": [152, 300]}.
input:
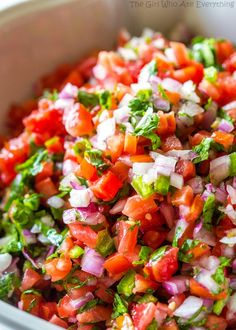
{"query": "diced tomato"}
{"type": "Point", "coordinates": [210, 90]}
{"type": "Point", "coordinates": [127, 236]}
{"type": "Point", "coordinates": [47, 310]}
{"type": "Point", "coordinates": [117, 263]}
{"type": "Point", "coordinates": [151, 221]}
{"type": "Point", "coordinates": [137, 207]}
{"type": "Point", "coordinates": [138, 312]}
{"type": "Point", "coordinates": [58, 268]}
{"type": "Point", "coordinates": [104, 294]}
{"type": "Point", "coordinates": [30, 278]}
{"type": "Point", "coordinates": [167, 123]}
{"type": "Point", "coordinates": [141, 159]}
{"type": "Point", "coordinates": [121, 170]}
{"type": "Point", "coordinates": [55, 145]}
{"type": "Point", "coordinates": [154, 238]}
{"type": "Point", "coordinates": [57, 321]}
{"type": "Point", "coordinates": [195, 209]}
{"type": "Point", "coordinates": [162, 265]}
{"type": "Point", "coordinates": [96, 314]}
{"type": "Point", "coordinates": [173, 97]}
{"type": "Point", "coordinates": [183, 196]}
{"type": "Point", "coordinates": [170, 325]}
{"type": "Point", "coordinates": [216, 322]}
{"type": "Point", "coordinates": [87, 170]}
{"type": "Point", "coordinates": [185, 168]}
{"type": "Point", "coordinates": [47, 171]}
{"type": "Point", "coordinates": [83, 234]}
{"type": "Point", "coordinates": [130, 145]}
{"type": "Point", "coordinates": [65, 307]}
{"type": "Point", "coordinates": [230, 63]}
{"type": "Point", "coordinates": [143, 284]}
{"type": "Point", "coordinates": [107, 186]}
{"type": "Point", "coordinates": [46, 187]}
{"type": "Point", "coordinates": [191, 72]}
{"type": "Point", "coordinates": [198, 137]}
{"type": "Point", "coordinates": [66, 245]}
{"type": "Point", "coordinates": [45, 121]}
{"type": "Point", "coordinates": [181, 53]}
{"type": "Point", "coordinates": [171, 142]}
{"type": "Point", "coordinates": [78, 121]}
{"type": "Point", "coordinates": [198, 251]}
{"type": "Point", "coordinates": [224, 49]}
{"type": "Point", "coordinates": [116, 146]}
{"type": "Point", "coordinates": [223, 138]}
{"type": "Point", "coordinates": [30, 303]}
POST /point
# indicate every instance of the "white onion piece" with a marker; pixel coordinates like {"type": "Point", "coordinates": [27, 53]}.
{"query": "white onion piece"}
{"type": "Point", "coordinates": [122, 114]}
{"type": "Point", "coordinates": [98, 144]}
{"type": "Point", "coordinates": [210, 263]}
{"type": "Point", "coordinates": [231, 307]}
{"type": "Point", "coordinates": [128, 54]}
{"type": "Point", "coordinates": [205, 236]}
{"type": "Point", "coordinates": [69, 91]}
{"type": "Point", "coordinates": [219, 169]}
{"type": "Point", "coordinates": [5, 261]}
{"type": "Point", "coordinates": [232, 193]}
{"type": "Point", "coordinates": [106, 129]}
{"type": "Point", "coordinates": [125, 100]}
{"type": "Point", "coordinates": [55, 202]}
{"type": "Point", "coordinates": [141, 168]}
{"type": "Point", "coordinates": [189, 307]}
{"type": "Point", "coordinates": [176, 180]}
{"type": "Point", "coordinates": [69, 166]}
{"type": "Point", "coordinates": [68, 179]}
{"type": "Point", "coordinates": [188, 92]}
{"type": "Point", "coordinates": [229, 106]}
{"type": "Point", "coordinates": [231, 213]}
{"type": "Point", "coordinates": [191, 109]}
{"type": "Point", "coordinates": [171, 85]}
{"type": "Point", "coordinates": [69, 216]}
{"type": "Point", "coordinates": [48, 220]}
{"type": "Point", "coordinates": [228, 240]}
{"type": "Point", "coordinates": [183, 154]}
{"type": "Point", "coordinates": [80, 198]}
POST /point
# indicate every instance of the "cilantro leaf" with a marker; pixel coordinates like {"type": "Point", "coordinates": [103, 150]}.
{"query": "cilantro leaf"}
{"type": "Point", "coordinates": [94, 157]}
{"type": "Point", "coordinates": [223, 114]}
{"type": "Point", "coordinates": [33, 165]}
{"type": "Point", "coordinates": [88, 99]}
{"type": "Point", "coordinates": [208, 211]}
{"type": "Point", "coordinates": [120, 306]}
{"type": "Point", "coordinates": [8, 282]}
{"type": "Point", "coordinates": [202, 150]}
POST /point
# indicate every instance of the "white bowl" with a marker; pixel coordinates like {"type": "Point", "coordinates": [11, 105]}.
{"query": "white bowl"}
{"type": "Point", "coordinates": [37, 35]}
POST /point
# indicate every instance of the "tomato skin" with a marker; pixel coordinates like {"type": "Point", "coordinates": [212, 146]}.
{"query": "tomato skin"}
{"type": "Point", "coordinates": [45, 121]}
{"type": "Point", "coordinates": [186, 168]}
{"type": "Point", "coordinates": [127, 236]}
{"type": "Point", "coordinates": [30, 303]}
{"type": "Point", "coordinates": [171, 142]}
{"type": "Point", "coordinates": [216, 322]}
{"type": "Point", "coordinates": [116, 264]}
{"type": "Point", "coordinates": [78, 121]}
{"type": "Point", "coordinates": [101, 292]}
{"type": "Point", "coordinates": [183, 196]}
{"type": "Point", "coordinates": [164, 267]}
{"type": "Point", "coordinates": [142, 284]}
{"type": "Point", "coordinates": [58, 268]}
{"type": "Point", "coordinates": [116, 146]}
{"type": "Point", "coordinates": [167, 123]}
{"type": "Point", "coordinates": [30, 278]}
{"type": "Point", "coordinates": [57, 321]}
{"type": "Point", "coordinates": [137, 207]}
{"type": "Point", "coordinates": [87, 170]}
{"type": "Point", "coordinates": [198, 137]}
{"type": "Point", "coordinates": [199, 290]}
{"type": "Point", "coordinates": [195, 209]}
{"type": "Point", "coordinates": [96, 314]}
{"type": "Point", "coordinates": [225, 139]}
{"type": "Point", "coordinates": [154, 238]}
{"type": "Point", "coordinates": [65, 307]}
{"type": "Point", "coordinates": [121, 170]}
{"type": "Point", "coordinates": [191, 72]}
{"type": "Point", "coordinates": [47, 310]}
{"type": "Point", "coordinates": [180, 52]}
{"type": "Point", "coordinates": [224, 49]}
{"type": "Point", "coordinates": [47, 171]}
{"type": "Point", "coordinates": [84, 234]}
{"type": "Point", "coordinates": [138, 312]}
{"type": "Point", "coordinates": [170, 325]}
{"type": "Point", "coordinates": [107, 186]}
{"type": "Point", "coordinates": [46, 187]}
{"type": "Point", "coordinates": [230, 63]}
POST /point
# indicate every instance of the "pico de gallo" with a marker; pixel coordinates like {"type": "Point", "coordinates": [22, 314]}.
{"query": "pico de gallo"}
{"type": "Point", "coordinates": [118, 206]}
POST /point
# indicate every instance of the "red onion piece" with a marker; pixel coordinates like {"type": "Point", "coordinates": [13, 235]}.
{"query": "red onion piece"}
{"type": "Point", "coordinates": [90, 214]}
{"type": "Point", "coordinates": [167, 210]}
{"type": "Point", "coordinates": [219, 169]}
{"type": "Point", "coordinates": [226, 126]}
{"type": "Point", "coordinates": [28, 257]}
{"type": "Point", "coordinates": [77, 303]}
{"type": "Point", "coordinates": [55, 202]}
{"type": "Point", "coordinates": [220, 195]}
{"type": "Point", "coordinates": [209, 116]}
{"type": "Point", "coordinates": [161, 104]}
{"type": "Point", "coordinates": [229, 106]}
{"type": "Point", "coordinates": [29, 237]}
{"type": "Point", "coordinates": [232, 194]}
{"type": "Point", "coordinates": [68, 92]}
{"type": "Point", "coordinates": [176, 285]}
{"type": "Point", "coordinates": [196, 184]}
{"type": "Point", "coordinates": [92, 262]}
